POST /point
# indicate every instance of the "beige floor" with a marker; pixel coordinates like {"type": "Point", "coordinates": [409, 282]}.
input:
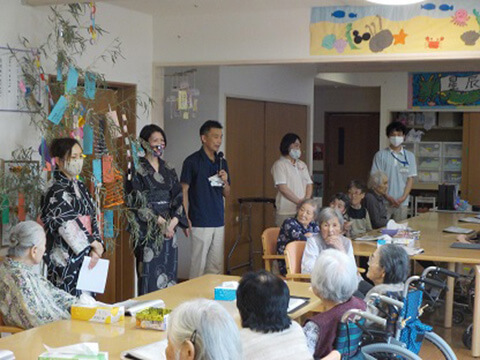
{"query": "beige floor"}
{"type": "Point", "coordinates": [452, 336]}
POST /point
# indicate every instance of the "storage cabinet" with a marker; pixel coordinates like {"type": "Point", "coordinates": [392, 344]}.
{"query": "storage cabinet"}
{"type": "Point", "coordinates": [471, 158]}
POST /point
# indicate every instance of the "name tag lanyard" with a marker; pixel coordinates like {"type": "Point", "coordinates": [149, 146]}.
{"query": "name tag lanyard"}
{"type": "Point", "coordinates": [403, 162]}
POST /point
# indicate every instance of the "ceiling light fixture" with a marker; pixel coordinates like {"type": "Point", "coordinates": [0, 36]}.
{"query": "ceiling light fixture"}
{"type": "Point", "coordinates": [395, 2]}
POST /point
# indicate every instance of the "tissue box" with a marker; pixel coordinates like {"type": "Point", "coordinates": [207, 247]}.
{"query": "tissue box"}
{"type": "Point", "coordinates": [101, 314]}
{"type": "Point", "coordinates": [56, 356]}
{"type": "Point", "coordinates": [152, 318]}
{"type": "Point", "coordinates": [225, 293]}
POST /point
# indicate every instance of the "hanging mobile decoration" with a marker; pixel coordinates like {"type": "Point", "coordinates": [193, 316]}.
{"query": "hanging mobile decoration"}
{"type": "Point", "coordinates": [183, 102]}
{"type": "Point", "coordinates": [92, 30]}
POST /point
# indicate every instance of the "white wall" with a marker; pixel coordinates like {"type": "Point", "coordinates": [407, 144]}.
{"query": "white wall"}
{"type": "Point", "coordinates": [31, 22]}
{"type": "Point", "coordinates": [183, 138]}
{"type": "Point", "coordinates": [281, 83]}
{"type": "Point", "coordinates": [232, 37]}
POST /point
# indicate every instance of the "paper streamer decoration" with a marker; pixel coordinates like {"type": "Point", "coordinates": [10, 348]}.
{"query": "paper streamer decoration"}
{"type": "Point", "coordinates": [5, 210]}
{"type": "Point", "coordinates": [108, 224]}
{"type": "Point", "coordinates": [21, 207]}
{"type": "Point", "coordinates": [114, 124]}
{"type": "Point", "coordinates": [72, 81]}
{"type": "Point", "coordinates": [58, 110]}
{"type": "Point", "coordinates": [90, 86]}
{"type": "Point", "coordinates": [135, 155]}
{"type": "Point", "coordinates": [97, 171]}
{"type": "Point", "coordinates": [43, 151]}
{"type": "Point", "coordinates": [114, 191]}
{"type": "Point", "coordinates": [107, 168]}
{"type": "Point", "coordinates": [87, 140]}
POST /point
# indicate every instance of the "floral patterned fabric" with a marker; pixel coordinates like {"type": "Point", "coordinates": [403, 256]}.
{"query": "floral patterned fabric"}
{"type": "Point", "coordinates": [153, 194]}
{"type": "Point", "coordinates": [65, 207]}
{"type": "Point", "coordinates": [27, 299]}
{"type": "Point", "coordinates": [292, 230]}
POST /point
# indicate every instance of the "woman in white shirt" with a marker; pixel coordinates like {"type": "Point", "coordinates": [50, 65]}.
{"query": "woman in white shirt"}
{"type": "Point", "coordinates": [330, 237]}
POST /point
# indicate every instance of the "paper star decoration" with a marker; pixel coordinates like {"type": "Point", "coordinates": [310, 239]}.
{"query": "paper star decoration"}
{"type": "Point", "coordinates": [400, 38]}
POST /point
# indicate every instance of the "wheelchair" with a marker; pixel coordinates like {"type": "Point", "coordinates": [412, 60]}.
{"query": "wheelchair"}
{"type": "Point", "coordinates": [400, 334]}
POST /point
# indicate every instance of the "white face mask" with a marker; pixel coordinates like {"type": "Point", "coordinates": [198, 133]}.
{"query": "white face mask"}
{"type": "Point", "coordinates": [396, 140]}
{"type": "Point", "coordinates": [74, 167]}
{"type": "Point", "coordinates": [295, 153]}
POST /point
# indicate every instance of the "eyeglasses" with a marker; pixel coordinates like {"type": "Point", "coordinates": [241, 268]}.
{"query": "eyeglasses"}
{"type": "Point", "coordinates": [193, 337]}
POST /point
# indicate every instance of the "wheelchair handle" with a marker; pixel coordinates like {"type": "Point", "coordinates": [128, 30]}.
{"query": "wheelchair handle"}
{"type": "Point", "coordinates": [376, 319]}
{"type": "Point", "coordinates": [441, 271]}
{"type": "Point", "coordinates": [435, 283]}
{"type": "Point", "coordinates": [449, 273]}
{"type": "Point", "coordinates": [385, 299]}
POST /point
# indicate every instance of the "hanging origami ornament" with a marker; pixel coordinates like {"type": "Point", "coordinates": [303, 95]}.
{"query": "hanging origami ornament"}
{"type": "Point", "coordinates": [107, 169]}
{"type": "Point", "coordinates": [114, 191]}
{"type": "Point", "coordinates": [108, 224]}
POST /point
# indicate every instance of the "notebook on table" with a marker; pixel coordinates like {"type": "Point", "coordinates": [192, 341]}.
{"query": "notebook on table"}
{"type": "Point", "coordinates": [457, 230]}
{"type": "Point", "coordinates": [461, 245]}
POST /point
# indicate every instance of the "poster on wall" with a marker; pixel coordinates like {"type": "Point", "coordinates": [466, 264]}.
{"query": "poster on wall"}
{"type": "Point", "coordinates": [444, 90]}
{"type": "Point", "coordinates": [427, 27]}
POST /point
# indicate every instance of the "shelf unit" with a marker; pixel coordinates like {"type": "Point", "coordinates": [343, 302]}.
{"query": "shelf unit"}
{"type": "Point", "coordinates": [439, 154]}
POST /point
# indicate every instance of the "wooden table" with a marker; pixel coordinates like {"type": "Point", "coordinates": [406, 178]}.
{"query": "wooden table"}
{"type": "Point", "coordinates": [436, 244]}
{"type": "Point", "coordinates": [122, 336]}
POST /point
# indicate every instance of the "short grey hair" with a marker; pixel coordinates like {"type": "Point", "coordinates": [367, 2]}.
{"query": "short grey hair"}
{"type": "Point", "coordinates": [376, 179]}
{"type": "Point", "coordinates": [395, 262]}
{"type": "Point", "coordinates": [24, 236]}
{"type": "Point", "coordinates": [334, 276]}
{"type": "Point", "coordinates": [217, 336]}
{"type": "Point", "coordinates": [328, 214]}
{"type": "Point", "coordinates": [312, 202]}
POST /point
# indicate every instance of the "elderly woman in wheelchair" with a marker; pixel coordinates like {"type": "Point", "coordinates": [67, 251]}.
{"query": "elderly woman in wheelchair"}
{"type": "Point", "coordinates": [401, 332]}
{"type": "Point", "coordinates": [334, 280]}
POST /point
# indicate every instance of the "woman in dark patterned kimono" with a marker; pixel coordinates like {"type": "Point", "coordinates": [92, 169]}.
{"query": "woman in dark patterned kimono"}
{"type": "Point", "coordinates": [155, 198]}
{"type": "Point", "coordinates": [69, 217]}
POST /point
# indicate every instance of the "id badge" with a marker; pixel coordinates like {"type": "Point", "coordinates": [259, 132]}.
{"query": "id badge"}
{"type": "Point", "coordinates": [404, 170]}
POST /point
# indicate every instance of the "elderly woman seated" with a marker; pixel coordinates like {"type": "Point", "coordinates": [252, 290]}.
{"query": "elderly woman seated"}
{"type": "Point", "coordinates": [298, 228]}
{"type": "Point", "coordinates": [388, 268]}
{"type": "Point", "coordinates": [374, 200]}
{"type": "Point", "coordinates": [202, 330]}
{"type": "Point", "coordinates": [27, 299]}
{"type": "Point", "coordinates": [334, 280]}
{"type": "Point", "coordinates": [330, 236]}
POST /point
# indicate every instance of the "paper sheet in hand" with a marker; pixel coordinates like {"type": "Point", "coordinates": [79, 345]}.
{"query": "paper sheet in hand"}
{"type": "Point", "coordinates": [95, 279]}
{"type": "Point", "coordinates": [457, 230]}
{"type": "Point", "coordinates": [155, 351]}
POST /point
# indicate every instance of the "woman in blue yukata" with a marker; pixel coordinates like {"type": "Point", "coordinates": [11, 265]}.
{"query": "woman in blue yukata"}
{"type": "Point", "coordinates": [70, 218]}
{"type": "Point", "coordinates": [156, 201]}
{"type": "Point", "coordinates": [298, 228]}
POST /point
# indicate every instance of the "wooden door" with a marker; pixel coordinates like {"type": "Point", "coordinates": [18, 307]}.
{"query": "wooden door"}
{"type": "Point", "coordinates": [471, 158]}
{"type": "Point", "coordinates": [253, 133]}
{"type": "Point", "coordinates": [245, 134]}
{"type": "Point", "coordinates": [351, 141]}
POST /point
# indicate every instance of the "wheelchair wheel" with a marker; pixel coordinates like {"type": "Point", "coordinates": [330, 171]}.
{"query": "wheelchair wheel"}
{"type": "Point", "coordinates": [467, 337]}
{"type": "Point", "coordinates": [383, 351]}
{"type": "Point", "coordinates": [441, 345]}
{"type": "Point", "coordinates": [458, 317]}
